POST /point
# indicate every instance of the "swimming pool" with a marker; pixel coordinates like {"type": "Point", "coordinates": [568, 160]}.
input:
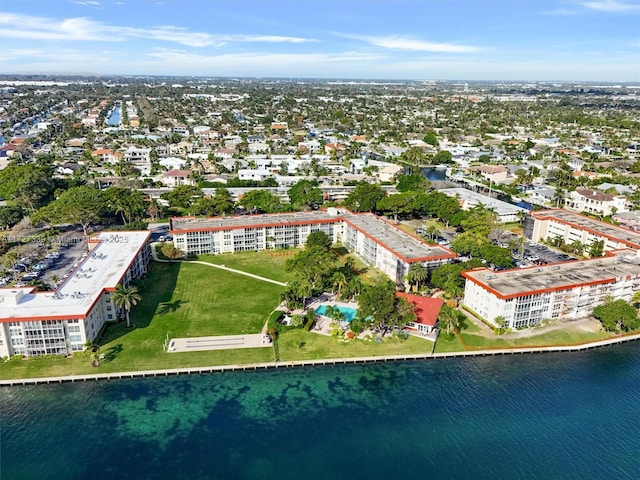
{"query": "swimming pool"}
{"type": "Point", "coordinates": [349, 312]}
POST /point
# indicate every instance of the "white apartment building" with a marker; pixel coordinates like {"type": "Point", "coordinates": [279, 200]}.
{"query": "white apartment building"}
{"type": "Point", "coordinates": [137, 155]}
{"type": "Point", "coordinates": [527, 297]}
{"type": "Point", "coordinates": [596, 201]}
{"type": "Point", "coordinates": [60, 322]}
{"type": "Point", "coordinates": [378, 242]}
{"type": "Point", "coordinates": [550, 224]}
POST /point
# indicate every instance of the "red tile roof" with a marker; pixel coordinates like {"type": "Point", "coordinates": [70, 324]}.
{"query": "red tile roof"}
{"type": "Point", "coordinates": [427, 308]}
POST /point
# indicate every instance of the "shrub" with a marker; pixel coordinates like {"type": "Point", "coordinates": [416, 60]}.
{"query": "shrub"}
{"type": "Point", "coordinates": [297, 320]}
{"type": "Point", "coordinates": [17, 357]}
{"type": "Point", "coordinates": [310, 320]}
{"type": "Point", "coordinates": [356, 326]}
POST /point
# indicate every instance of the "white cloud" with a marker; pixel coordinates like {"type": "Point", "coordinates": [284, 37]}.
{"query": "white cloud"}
{"type": "Point", "coordinates": [89, 3]}
{"type": "Point", "coordinates": [85, 29]}
{"type": "Point", "coordinates": [613, 6]}
{"type": "Point", "coordinates": [396, 42]}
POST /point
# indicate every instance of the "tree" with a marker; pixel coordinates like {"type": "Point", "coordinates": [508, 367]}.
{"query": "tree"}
{"type": "Point", "coordinates": [596, 249]}
{"type": "Point", "coordinates": [125, 298]}
{"type": "Point", "coordinates": [431, 139]}
{"type": "Point", "coordinates": [355, 286]}
{"type": "Point", "coordinates": [183, 196]}
{"type": "Point", "coordinates": [318, 238]}
{"type": "Point", "coordinates": [10, 215]}
{"type": "Point", "coordinates": [261, 200]}
{"type": "Point", "coordinates": [312, 265]}
{"type": "Point", "coordinates": [500, 322]}
{"type": "Point", "coordinates": [79, 206]}
{"type": "Point", "coordinates": [417, 274]}
{"type": "Point", "coordinates": [443, 158]}
{"type": "Point", "coordinates": [93, 348]}
{"type": "Point", "coordinates": [170, 251]}
{"type": "Point", "coordinates": [411, 183]}
{"type": "Point", "coordinates": [399, 205]}
{"type": "Point", "coordinates": [339, 281]}
{"type": "Point", "coordinates": [126, 202]}
{"type": "Point", "coordinates": [220, 204]}
{"type": "Point", "coordinates": [27, 185]}
{"type": "Point", "coordinates": [364, 197]}
{"type": "Point", "coordinates": [449, 319]}
{"type": "Point", "coordinates": [380, 307]}
{"type": "Point", "coordinates": [616, 315]}
{"type": "Point", "coordinates": [305, 194]}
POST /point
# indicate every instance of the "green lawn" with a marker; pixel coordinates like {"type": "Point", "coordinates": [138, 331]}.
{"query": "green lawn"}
{"type": "Point", "coordinates": [555, 337]}
{"type": "Point", "coordinates": [296, 344]}
{"type": "Point", "coordinates": [269, 264]}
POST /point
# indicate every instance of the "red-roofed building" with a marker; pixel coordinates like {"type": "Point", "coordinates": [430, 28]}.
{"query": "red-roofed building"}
{"type": "Point", "coordinates": [427, 311]}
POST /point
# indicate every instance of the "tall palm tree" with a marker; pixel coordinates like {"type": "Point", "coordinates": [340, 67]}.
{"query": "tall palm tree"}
{"type": "Point", "coordinates": [339, 281]}
{"type": "Point", "coordinates": [125, 298]}
{"type": "Point", "coordinates": [355, 286]}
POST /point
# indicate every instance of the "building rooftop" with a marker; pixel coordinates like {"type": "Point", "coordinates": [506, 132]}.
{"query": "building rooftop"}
{"type": "Point", "coordinates": [528, 281]}
{"type": "Point", "coordinates": [470, 198]}
{"type": "Point", "coordinates": [629, 237]}
{"type": "Point", "coordinates": [102, 268]}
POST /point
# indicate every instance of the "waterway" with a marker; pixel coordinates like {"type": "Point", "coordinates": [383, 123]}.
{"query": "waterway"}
{"type": "Point", "coordinates": [114, 118]}
{"type": "Point", "coordinates": [435, 173]}
{"type": "Point", "coordinates": [565, 416]}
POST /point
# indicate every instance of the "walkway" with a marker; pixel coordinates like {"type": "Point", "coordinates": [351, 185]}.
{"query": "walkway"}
{"type": "Point", "coordinates": [154, 254]}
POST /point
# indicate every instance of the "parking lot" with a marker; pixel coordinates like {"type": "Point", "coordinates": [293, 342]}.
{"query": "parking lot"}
{"type": "Point", "coordinates": [49, 264]}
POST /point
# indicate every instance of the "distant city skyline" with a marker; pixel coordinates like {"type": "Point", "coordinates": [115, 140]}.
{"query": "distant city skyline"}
{"type": "Point", "coordinates": [543, 40]}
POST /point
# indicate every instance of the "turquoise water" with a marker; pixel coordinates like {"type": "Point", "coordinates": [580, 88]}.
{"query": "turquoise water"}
{"type": "Point", "coordinates": [551, 416]}
{"type": "Point", "coordinates": [349, 313]}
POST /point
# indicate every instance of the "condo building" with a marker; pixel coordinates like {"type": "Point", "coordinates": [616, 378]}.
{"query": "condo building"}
{"type": "Point", "coordinates": [551, 224]}
{"type": "Point", "coordinates": [526, 297]}
{"type": "Point", "coordinates": [378, 242]}
{"type": "Point", "coordinates": [61, 322]}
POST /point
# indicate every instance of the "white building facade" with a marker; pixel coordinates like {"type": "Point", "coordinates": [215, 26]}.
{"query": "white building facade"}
{"type": "Point", "coordinates": [378, 242]}
{"type": "Point", "coordinates": [527, 297]}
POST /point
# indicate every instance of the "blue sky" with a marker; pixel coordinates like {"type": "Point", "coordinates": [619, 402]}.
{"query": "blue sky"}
{"type": "Point", "coordinates": [594, 40]}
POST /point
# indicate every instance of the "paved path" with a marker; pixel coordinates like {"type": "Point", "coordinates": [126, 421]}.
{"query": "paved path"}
{"type": "Point", "coordinates": [221, 267]}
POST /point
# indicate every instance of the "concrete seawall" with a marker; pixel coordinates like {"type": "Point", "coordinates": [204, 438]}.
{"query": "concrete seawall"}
{"type": "Point", "coordinates": [322, 362]}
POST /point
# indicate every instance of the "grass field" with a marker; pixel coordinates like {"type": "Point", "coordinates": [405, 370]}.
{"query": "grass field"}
{"type": "Point", "coordinates": [479, 342]}
{"type": "Point", "coordinates": [268, 264]}
{"type": "Point", "coordinates": [296, 344]}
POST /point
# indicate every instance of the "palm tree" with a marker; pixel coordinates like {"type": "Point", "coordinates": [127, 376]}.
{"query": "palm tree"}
{"type": "Point", "coordinates": [448, 318]}
{"type": "Point", "coordinates": [499, 321]}
{"type": "Point", "coordinates": [125, 298]}
{"type": "Point", "coordinates": [417, 273]}
{"type": "Point", "coordinates": [355, 286]}
{"type": "Point", "coordinates": [94, 352]}
{"type": "Point", "coordinates": [339, 281]}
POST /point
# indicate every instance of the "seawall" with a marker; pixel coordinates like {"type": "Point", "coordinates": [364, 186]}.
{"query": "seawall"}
{"type": "Point", "coordinates": [321, 362]}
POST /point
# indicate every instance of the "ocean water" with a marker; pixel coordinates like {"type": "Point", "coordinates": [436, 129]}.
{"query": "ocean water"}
{"type": "Point", "coordinates": [551, 416]}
